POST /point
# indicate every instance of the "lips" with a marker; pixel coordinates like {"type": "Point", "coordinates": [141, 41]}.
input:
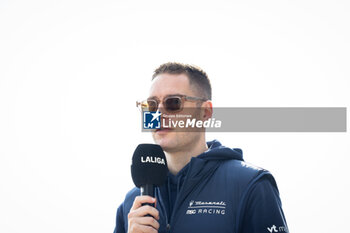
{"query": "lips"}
{"type": "Point", "coordinates": [165, 121]}
{"type": "Point", "coordinates": [163, 130]}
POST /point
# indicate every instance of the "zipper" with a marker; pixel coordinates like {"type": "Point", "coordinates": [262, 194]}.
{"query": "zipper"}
{"type": "Point", "coordinates": [177, 201]}
{"type": "Point", "coordinates": [161, 204]}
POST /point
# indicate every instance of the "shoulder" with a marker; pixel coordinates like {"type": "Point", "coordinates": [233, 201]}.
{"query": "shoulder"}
{"type": "Point", "coordinates": [243, 173]}
{"type": "Point", "coordinates": [242, 169]}
{"type": "Point", "coordinates": [130, 197]}
{"type": "Point", "coordinates": [132, 193]}
{"type": "Point", "coordinates": [125, 207]}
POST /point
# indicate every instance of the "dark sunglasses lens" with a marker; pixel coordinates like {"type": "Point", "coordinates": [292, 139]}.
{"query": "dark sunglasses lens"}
{"type": "Point", "coordinates": [152, 105]}
{"type": "Point", "coordinates": [173, 104]}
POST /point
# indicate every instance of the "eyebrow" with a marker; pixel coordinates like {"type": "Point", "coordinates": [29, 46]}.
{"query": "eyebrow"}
{"type": "Point", "coordinates": [155, 97]}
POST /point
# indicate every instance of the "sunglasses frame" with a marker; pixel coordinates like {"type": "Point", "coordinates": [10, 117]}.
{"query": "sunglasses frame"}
{"type": "Point", "coordinates": [144, 104]}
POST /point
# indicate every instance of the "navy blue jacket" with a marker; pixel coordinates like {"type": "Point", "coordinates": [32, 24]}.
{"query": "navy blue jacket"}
{"type": "Point", "coordinates": [216, 192]}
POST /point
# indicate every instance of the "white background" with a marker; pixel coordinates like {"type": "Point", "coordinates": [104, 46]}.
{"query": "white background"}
{"type": "Point", "coordinates": [70, 72]}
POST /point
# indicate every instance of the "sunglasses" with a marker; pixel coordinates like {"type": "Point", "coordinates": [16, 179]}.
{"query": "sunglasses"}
{"type": "Point", "coordinates": [172, 103]}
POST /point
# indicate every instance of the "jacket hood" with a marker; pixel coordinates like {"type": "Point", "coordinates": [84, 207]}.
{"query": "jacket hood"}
{"type": "Point", "coordinates": [208, 161]}
{"type": "Point", "coordinates": [216, 151]}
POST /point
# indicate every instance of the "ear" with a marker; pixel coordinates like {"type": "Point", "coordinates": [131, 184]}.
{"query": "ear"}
{"type": "Point", "coordinates": [207, 112]}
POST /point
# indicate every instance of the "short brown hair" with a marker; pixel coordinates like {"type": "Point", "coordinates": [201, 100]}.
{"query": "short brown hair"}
{"type": "Point", "coordinates": [197, 77]}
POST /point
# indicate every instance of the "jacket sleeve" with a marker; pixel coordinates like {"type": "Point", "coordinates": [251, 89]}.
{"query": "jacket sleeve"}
{"type": "Point", "coordinates": [119, 227]}
{"type": "Point", "coordinates": [263, 212]}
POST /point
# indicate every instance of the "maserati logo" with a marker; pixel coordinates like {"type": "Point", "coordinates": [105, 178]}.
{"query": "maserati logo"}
{"type": "Point", "coordinates": [206, 207]}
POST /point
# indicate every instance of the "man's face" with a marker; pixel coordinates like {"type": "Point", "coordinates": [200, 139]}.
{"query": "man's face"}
{"type": "Point", "coordinates": [172, 84]}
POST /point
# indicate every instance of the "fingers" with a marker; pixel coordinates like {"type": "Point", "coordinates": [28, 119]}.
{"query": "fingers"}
{"type": "Point", "coordinates": [139, 200]}
{"type": "Point", "coordinates": [144, 221]}
{"type": "Point", "coordinates": [143, 218]}
{"type": "Point", "coordinates": [137, 228]}
{"type": "Point", "coordinates": [144, 211]}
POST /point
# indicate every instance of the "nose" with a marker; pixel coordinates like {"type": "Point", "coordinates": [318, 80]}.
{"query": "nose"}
{"type": "Point", "coordinates": [160, 107]}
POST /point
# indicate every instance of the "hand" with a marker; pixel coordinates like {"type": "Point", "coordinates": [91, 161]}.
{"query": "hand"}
{"type": "Point", "coordinates": [138, 220]}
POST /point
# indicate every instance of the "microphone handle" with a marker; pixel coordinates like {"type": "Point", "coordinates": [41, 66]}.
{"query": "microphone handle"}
{"type": "Point", "coordinates": [147, 189]}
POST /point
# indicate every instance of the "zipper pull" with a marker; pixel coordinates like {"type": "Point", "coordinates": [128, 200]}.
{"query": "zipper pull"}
{"type": "Point", "coordinates": [168, 227]}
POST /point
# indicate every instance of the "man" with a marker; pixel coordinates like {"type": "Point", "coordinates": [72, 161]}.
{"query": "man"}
{"type": "Point", "coordinates": [209, 187]}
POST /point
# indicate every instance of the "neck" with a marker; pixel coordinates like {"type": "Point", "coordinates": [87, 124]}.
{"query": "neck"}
{"type": "Point", "coordinates": [178, 159]}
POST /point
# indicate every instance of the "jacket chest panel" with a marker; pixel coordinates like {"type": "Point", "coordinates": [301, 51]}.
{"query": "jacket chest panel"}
{"type": "Point", "coordinates": [204, 216]}
{"type": "Point", "coordinates": [209, 210]}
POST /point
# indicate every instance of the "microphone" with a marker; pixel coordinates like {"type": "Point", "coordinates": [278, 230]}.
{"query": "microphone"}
{"type": "Point", "coordinates": [149, 168]}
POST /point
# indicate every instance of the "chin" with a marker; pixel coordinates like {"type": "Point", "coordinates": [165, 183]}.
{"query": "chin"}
{"type": "Point", "coordinates": [166, 142]}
